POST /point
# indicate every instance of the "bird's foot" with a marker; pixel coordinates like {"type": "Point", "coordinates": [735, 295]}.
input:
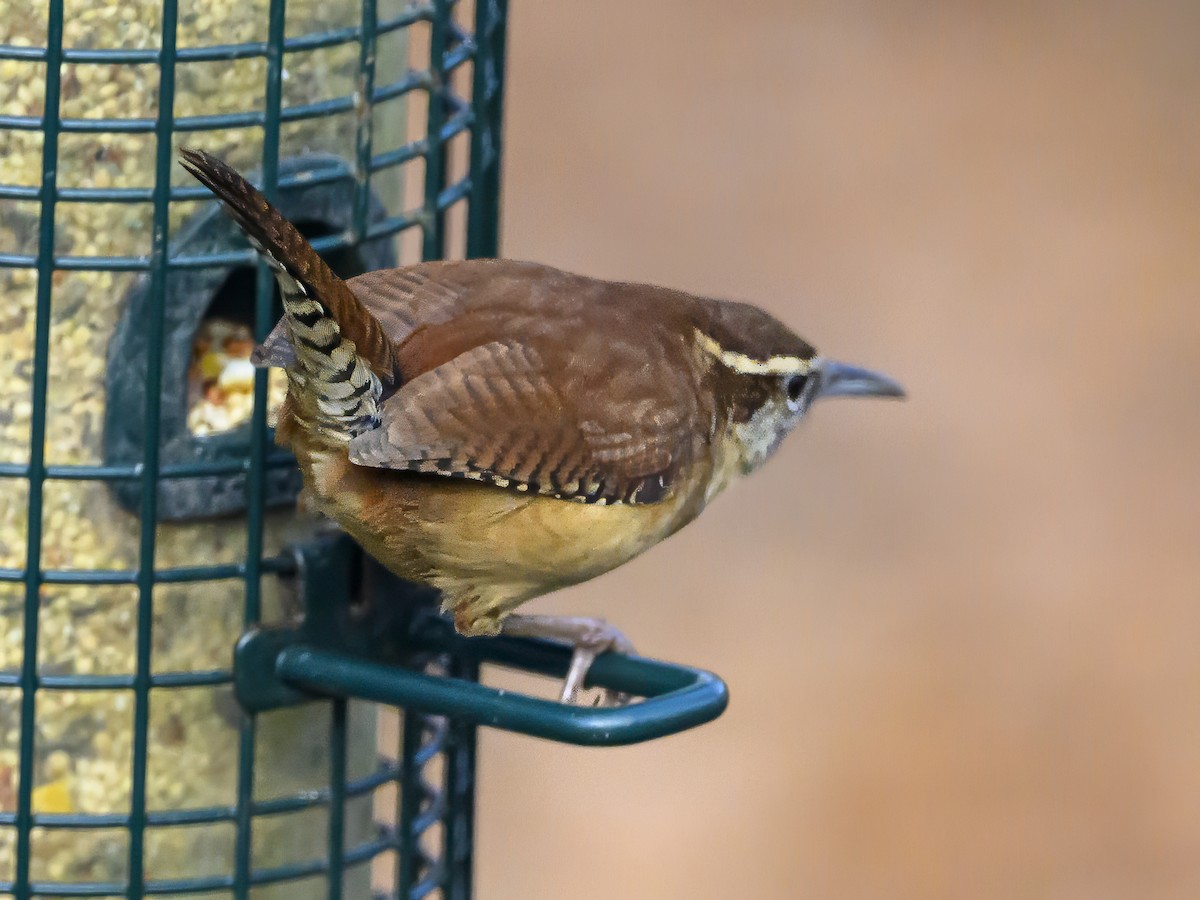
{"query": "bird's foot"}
{"type": "Point", "coordinates": [588, 638]}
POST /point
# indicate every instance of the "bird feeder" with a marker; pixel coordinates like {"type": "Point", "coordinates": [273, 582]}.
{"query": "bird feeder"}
{"type": "Point", "coordinates": [147, 522]}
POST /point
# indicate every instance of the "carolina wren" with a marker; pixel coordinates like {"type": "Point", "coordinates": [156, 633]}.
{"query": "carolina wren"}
{"type": "Point", "coordinates": [501, 429]}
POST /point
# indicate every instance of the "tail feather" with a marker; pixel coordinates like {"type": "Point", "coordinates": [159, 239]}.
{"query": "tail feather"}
{"type": "Point", "coordinates": [335, 351]}
{"type": "Point", "coordinates": [288, 251]}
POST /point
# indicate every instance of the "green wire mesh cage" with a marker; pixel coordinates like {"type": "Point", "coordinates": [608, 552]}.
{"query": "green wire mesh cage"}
{"type": "Point", "coordinates": [148, 526]}
{"type": "Point", "coordinates": [127, 767]}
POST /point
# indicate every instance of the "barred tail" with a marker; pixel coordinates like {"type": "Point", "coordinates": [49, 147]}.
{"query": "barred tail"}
{"type": "Point", "coordinates": [341, 354]}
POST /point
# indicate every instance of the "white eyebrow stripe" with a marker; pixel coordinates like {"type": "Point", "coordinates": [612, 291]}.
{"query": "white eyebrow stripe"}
{"type": "Point", "coordinates": [745, 365]}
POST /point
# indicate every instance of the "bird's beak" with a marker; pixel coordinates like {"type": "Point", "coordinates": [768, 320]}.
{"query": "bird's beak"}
{"type": "Point", "coordinates": [842, 380]}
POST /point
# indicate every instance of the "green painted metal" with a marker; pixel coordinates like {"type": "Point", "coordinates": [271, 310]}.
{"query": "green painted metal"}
{"type": "Point", "coordinates": [677, 698]}
{"type": "Point", "coordinates": [426, 738]}
{"type": "Point", "coordinates": [487, 93]}
{"type": "Point", "coordinates": [379, 653]}
{"type": "Point", "coordinates": [22, 887]}
{"type": "Point", "coordinates": [150, 451]}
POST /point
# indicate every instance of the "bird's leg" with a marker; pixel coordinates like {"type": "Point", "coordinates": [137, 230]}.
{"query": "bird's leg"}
{"type": "Point", "coordinates": [588, 638]}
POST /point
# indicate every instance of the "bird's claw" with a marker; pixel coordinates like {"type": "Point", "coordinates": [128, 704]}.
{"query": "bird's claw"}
{"type": "Point", "coordinates": [603, 638]}
{"type": "Point", "coordinates": [588, 638]}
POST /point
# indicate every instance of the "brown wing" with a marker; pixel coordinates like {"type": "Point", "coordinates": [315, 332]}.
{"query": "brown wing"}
{"type": "Point", "coordinates": [594, 428]}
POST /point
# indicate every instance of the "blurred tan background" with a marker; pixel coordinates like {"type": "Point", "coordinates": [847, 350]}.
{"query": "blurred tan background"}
{"type": "Point", "coordinates": [960, 633]}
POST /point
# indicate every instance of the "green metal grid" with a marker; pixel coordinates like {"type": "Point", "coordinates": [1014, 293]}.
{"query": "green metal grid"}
{"type": "Point", "coordinates": [425, 738]}
{"type": "Point", "coordinates": [414, 662]}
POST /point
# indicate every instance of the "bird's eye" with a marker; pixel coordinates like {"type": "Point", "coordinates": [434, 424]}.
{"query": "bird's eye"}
{"type": "Point", "coordinates": [795, 387]}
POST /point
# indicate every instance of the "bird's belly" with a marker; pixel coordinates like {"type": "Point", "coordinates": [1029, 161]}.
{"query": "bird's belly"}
{"type": "Point", "coordinates": [487, 549]}
{"type": "Point", "coordinates": [543, 542]}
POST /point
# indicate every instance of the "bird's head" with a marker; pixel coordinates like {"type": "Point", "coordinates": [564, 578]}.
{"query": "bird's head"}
{"type": "Point", "coordinates": [767, 377]}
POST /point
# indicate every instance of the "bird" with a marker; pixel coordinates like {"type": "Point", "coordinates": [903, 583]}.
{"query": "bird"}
{"type": "Point", "coordinates": [499, 429]}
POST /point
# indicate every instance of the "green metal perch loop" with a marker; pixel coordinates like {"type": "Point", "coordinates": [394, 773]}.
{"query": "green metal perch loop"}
{"type": "Point", "coordinates": [377, 655]}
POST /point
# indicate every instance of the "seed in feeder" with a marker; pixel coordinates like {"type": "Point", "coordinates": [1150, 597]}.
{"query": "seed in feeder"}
{"type": "Point", "coordinates": [211, 366]}
{"type": "Point", "coordinates": [54, 797]}
{"type": "Point", "coordinates": [8, 789]}
{"type": "Point", "coordinates": [239, 347]}
{"type": "Point", "coordinates": [238, 375]}
{"type": "Point", "coordinates": [58, 763]}
{"type": "Point", "coordinates": [99, 771]}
